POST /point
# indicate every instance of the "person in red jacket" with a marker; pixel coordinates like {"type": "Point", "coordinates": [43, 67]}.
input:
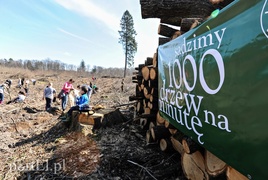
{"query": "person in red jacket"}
{"type": "Point", "coordinates": [65, 91]}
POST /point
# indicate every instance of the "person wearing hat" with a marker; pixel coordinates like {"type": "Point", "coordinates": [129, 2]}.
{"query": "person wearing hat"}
{"type": "Point", "coordinates": [82, 102]}
{"type": "Point", "coordinates": [65, 91]}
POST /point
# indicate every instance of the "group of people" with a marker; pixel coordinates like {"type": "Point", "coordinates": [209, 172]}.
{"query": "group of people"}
{"type": "Point", "coordinates": [81, 99]}
{"type": "Point", "coordinates": [5, 87]}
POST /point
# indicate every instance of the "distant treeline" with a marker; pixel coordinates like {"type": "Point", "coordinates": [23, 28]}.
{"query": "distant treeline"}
{"type": "Point", "coordinates": [56, 65]}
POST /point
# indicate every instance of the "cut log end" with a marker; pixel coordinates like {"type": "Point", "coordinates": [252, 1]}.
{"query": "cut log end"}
{"type": "Point", "coordinates": [233, 174]}
{"type": "Point", "coordinates": [214, 165]}
{"type": "Point", "coordinates": [193, 166]}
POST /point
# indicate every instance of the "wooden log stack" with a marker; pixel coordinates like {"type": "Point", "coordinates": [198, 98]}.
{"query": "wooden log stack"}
{"type": "Point", "coordinates": [176, 18]}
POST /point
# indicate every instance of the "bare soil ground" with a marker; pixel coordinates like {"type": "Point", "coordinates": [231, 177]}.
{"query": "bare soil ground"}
{"type": "Point", "coordinates": [34, 144]}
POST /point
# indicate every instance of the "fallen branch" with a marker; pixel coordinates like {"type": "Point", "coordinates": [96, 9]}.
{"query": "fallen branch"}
{"type": "Point", "coordinates": [123, 104]}
{"type": "Point", "coordinates": [15, 125]}
{"type": "Point", "coordinates": [142, 168]}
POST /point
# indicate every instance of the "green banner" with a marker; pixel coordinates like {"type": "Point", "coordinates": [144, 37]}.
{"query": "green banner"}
{"type": "Point", "coordinates": [213, 85]}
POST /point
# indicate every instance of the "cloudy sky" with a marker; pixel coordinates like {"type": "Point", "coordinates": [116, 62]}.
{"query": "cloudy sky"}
{"type": "Point", "coordinates": [72, 30]}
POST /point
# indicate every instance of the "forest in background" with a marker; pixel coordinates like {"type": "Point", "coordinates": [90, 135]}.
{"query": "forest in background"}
{"type": "Point", "coordinates": [60, 67]}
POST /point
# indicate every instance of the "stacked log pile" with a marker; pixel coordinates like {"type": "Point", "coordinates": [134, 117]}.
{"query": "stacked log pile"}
{"type": "Point", "coordinates": [176, 18]}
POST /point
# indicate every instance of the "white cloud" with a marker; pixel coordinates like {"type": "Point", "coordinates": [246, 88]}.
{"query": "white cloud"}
{"type": "Point", "coordinates": [73, 35]}
{"type": "Point", "coordinates": [89, 9]}
{"type": "Point", "coordinates": [66, 53]}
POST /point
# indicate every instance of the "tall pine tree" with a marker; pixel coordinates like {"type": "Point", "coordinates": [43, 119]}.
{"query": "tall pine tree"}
{"type": "Point", "coordinates": [127, 39]}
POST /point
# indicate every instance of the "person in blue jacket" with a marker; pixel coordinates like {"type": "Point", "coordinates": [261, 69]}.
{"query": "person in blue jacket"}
{"type": "Point", "coordinates": [81, 103]}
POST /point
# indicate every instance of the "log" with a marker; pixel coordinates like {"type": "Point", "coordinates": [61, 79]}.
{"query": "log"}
{"type": "Point", "coordinates": [149, 138]}
{"type": "Point", "coordinates": [169, 125]}
{"type": "Point", "coordinates": [163, 40]}
{"type": "Point", "coordinates": [75, 125]}
{"type": "Point", "coordinates": [153, 73]}
{"type": "Point", "coordinates": [144, 123]}
{"type": "Point", "coordinates": [139, 92]}
{"type": "Point", "coordinates": [145, 73]}
{"type": "Point", "coordinates": [175, 8]}
{"type": "Point", "coordinates": [154, 92]}
{"type": "Point", "coordinates": [166, 31]}
{"type": "Point", "coordinates": [134, 98]}
{"type": "Point", "coordinates": [175, 21]}
{"type": "Point", "coordinates": [166, 145]}
{"type": "Point", "coordinates": [172, 131]}
{"type": "Point", "coordinates": [147, 91]}
{"type": "Point", "coordinates": [154, 106]}
{"type": "Point", "coordinates": [153, 83]}
{"type": "Point", "coordinates": [113, 118]}
{"type": "Point", "coordinates": [147, 110]}
{"type": "Point", "coordinates": [151, 125]}
{"type": "Point", "coordinates": [214, 165]}
{"type": "Point", "coordinates": [186, 23]}
{"type": "Point", "coordinates": [159, 118]}
{"type": "Point", "coordinates": [233, 174]}
{"type": "Point", "coordinates": [145, 103]}
{"type": "Point", "coordinates": [149, 61]}
{"type": "Point", "coordinates": [140, 66]}
{"type": "Point", "coordinates": [145, 83]}
{"type": "Point", "coordinates": [148, 116]}
{"type": "Point", "coordinates": [177, 145]}
{"type": "Point", "coordinates": [84, 118]}
{"type": "Point", "coordinates": [139, 107]}
{"type": "Point", "coordinates": [159, 132]}
{"type": "Point", "coordinates": [155, 60]}
{"type": "Point", "coordinates": [193, 166]}
{"type": "Point", "coordinates": [219, 4]}
{"type": "Point", "coordinates": [176, 34]}
{"type": "Point", "coordinates": [189, 145]}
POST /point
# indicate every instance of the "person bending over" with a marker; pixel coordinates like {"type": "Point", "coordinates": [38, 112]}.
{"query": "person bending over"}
{"type": "Point", "coordinates": [20, 98]}
{"type": "Point", "coordinates": [82, 102]}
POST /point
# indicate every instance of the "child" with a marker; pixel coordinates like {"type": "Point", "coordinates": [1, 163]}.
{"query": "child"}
{"type": "Point", "coordinates": [20, 98]}
{"type": "Point", "coordinates": [80, 104]}
{"type": "Point", "coordinates": [48, 95]}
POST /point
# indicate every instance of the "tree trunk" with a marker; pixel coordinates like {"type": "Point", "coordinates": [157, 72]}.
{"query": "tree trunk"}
{"type": "Point", "coordinates": [233, 174]}
{"type": "Point", "coordinates": [189, 145]}
{"type": "Point", "coordinates": [175, 21]}
{"type": "Point", "coordinates": [166, 31]}
{"type": "Point", "coordinates": [133, 98]}
{"type": "Point", "coordinates": [193, 166]}
{"type": "Point", "coordinates": [155, 60]}
{"type": "Point", "coordinates": [145, 73]}
{"type": "Point", "coordinates": [160, 119]}
{"type": "Point", "coordinates": [159, 132]}
{"type": "Point", "coordinates": [176, 34]}
{"type": "Point", "coordinates": [140, 108]}
{"type": "Point", "coordinates": [153, 73]}
{"type": "Point", "coordinates": [177, 145]}
{"type": "Point", "coordinates": [149, 138]}
{"type": "Point", "coordinates": [172, 131]}
{"type": "Point", "coordinates": [149, 61]}
{"type": "Point", "coordinates": [140, 66]}
{"type": "Point", "coordinates": [166, 145]}
{"type": "Point", "coordinates": [186, 23]}
{"type": "Point", "coordinates": [163, 40]}
{"type": "Point", "coordinates": [125, 70]}
{"type": "Point", "coordinates": [214, 165]}
{"type": "Point", "coordinates": [175, 8]}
